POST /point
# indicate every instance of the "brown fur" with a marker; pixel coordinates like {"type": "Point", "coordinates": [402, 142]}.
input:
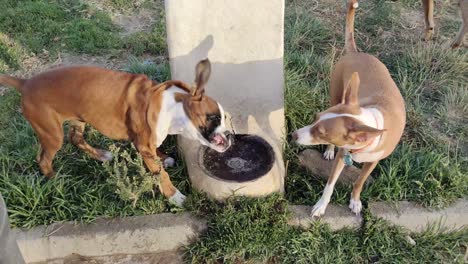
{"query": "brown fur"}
{"type": "Point", "coordinates": [358, 81]}
{"type": "Point", "coordinates": [120, 105]}
{"type": "Point", "coordinates": [428, 7]}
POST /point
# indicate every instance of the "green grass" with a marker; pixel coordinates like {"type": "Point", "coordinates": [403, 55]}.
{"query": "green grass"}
{"type": "Point", "coordinates": [253, 230]}
{"type": "Point", "coordinates": [81, 191]}
{"type": "Point", "coordinates": [430, 165]}
{"type": "Point", "coordinates": [39, 26]}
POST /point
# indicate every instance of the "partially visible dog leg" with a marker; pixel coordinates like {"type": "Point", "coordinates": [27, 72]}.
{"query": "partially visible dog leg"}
{"type": "Point", "coordinates": [75, 135]}
{"type": "Point", "coordinates": [428, 6]}
{"type": "Point", "coordinates": [167, 160]}
{"type": "Point", "coordinates": [355, 203]}
{"type": "Point", "coordinates": [50, 137]}
{"type": "Point", "coordinates": [321, 205]}
{"type": "Point", "coordinates": [329, 153]}
{"type": "Point", "coordinates": [165, 184]}
{"type": "Point", "coordinates": [463, 4]}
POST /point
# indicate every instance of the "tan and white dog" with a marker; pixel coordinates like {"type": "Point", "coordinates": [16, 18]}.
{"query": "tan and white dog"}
{"type": "Point", "coordinates": [365, 121]}
{"type": "Point", "coordinates": [121, 106]}
{"type": "Point", "coordinates": [428, 6]}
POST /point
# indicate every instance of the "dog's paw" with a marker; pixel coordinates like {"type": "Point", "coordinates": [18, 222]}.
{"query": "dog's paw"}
{"type": "Point", "coordinates": [169, 162]}
{"type": "Point", "coordinates": [329, 154]}
{"type": "Point", "coordinates": [355, 206]}
{"type": "Point", "coordinates": [319, 208]}
{"type": "Point", "coordinates": [177, 199]}
{"type": "Point", "coordinates": [105, 156]}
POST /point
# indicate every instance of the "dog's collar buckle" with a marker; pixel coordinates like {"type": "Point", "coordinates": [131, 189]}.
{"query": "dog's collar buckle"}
{"type": "Point", "coordinates": [348, 158]}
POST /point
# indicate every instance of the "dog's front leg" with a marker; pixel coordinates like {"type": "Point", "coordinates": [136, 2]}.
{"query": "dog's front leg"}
{"type": "Point", "coordinates": [338, 165]}
{"type": "Point", "coordinates": [152, 161]}
{"type": "Point", "coordinates": [355, 203]}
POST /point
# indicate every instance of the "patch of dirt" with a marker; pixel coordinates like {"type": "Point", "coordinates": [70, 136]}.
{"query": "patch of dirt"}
{"type": "Point", "coordinates": [132, 20]}
{"type": "Point", "coordinates": [36, 64]}
{"type": "Point", "coordinates": [106, 61]}
{"type": "Point", "coordinates": [412, 19]}
{"type": "Point", "coordinates": [130, 24]}
{"type": "Point", "coordinates": [167, 257]}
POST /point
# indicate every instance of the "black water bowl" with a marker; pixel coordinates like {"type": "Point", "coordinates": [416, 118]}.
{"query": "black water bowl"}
{"type": "Point", "coordinates": [249, 158]}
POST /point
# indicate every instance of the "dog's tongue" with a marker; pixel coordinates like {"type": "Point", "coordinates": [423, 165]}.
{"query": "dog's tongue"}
{"type": "Point", "coordinates": [218, 140]}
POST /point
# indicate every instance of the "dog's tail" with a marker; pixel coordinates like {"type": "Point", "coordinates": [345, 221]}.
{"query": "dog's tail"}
{"type": "Point", "coordinates": [10, 81]}
{"type": "Point", "coordinates": [350, 45]}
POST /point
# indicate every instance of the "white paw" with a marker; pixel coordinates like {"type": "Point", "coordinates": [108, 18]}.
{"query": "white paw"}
{"type": "Point", "coordinates": [319, 208]}
{"type": "Point", "coordinates": [355, 206]}
{"type": "Point", "coordinates": [178, 199]}
{"type": "Point", "coordinates": [329, 154]}
{"type": "Point", "coordinates": [107, 156]}
{"type": "Point", "coordinates": [168, 162]}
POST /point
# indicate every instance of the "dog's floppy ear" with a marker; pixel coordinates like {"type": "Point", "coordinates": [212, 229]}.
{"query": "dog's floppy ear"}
{"type": "Point", "coordinates": [350, 92]}
{"type": "Point", "coordinates": [361, 133]}
{"type": "Point", "coordinates": [202, 74]}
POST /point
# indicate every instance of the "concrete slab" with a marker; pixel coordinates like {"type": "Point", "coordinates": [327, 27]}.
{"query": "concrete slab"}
{"type": "Point", "coordinates": [244, 41]}
{"type": "Point", "coordinates": [130, 235]}
{"type": "Point", "coordinates": [416, 218]}
{"type": "Point", "coordinates": [157, 238]}
{"type": "Point", "coordinates": [338, 217]}
{"type": "Point", "coordinates": [167, 257]}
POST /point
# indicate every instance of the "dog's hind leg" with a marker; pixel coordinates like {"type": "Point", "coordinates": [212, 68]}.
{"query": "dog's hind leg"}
{"type": "Point", "coordinates": [75, 135]}
{"type": "Point", "coordinates": [464, 28]}
{"type": "Point", "coordinates": [50, 135]}
{"type": "Point", "coordinates": [428, 6]}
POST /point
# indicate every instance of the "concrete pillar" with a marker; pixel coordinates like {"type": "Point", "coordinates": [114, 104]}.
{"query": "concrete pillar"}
{"type": "Point", "coordinates": [244, 41]}
{"type": "Point", "coordinates": [9, 251]}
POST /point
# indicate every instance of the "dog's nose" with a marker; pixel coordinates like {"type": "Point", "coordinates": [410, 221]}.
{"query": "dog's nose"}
{"type": "Point", "coordinates": [294, 136]}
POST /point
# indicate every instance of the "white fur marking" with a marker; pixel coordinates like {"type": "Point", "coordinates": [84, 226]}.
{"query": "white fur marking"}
{"type": "Point", "coordinates": [320, 207]}
{"type": "Point", "coordinates": [356, 5]}
{"type": "Point", "coordinates": [329, 153]}
{"type": "Point", "coordinates": [303, 136]}
{"type": "Point", "coordinates": [168, 162]}
{"type": "Point", "coordinates": [178, 199]}
{"type": "Point", "coordinates": [355, 206]}
{"type": "Point", "coordinates": [107, 156]}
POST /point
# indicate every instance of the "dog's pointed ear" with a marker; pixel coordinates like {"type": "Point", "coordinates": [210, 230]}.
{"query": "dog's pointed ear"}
{"type": "Point", "coordinates": [350, 92]}
{"type": "Point", "coordinates": [362, 133]}
{"type": "Point", "coordinates": [202, 74]}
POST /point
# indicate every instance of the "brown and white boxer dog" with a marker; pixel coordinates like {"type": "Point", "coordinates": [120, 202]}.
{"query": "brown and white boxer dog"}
{"type": "Point", "coordinates": [365, 121]}
{"type": "Point", "coordinates": [121, 106]}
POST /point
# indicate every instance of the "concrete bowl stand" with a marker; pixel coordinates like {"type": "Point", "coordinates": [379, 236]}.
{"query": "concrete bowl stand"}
{"type": "Point", "coordinates": [244, 41]}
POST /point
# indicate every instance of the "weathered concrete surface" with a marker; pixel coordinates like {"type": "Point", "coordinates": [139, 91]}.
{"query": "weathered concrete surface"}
{"type": "Point", "coordinates": [166, 257]}
{"type": "Point", "coordinates": [157, 238]}
{"type": "Point", "coordinates": [322, 168]}
{"type": "Point", "coordinates": [416, 218]}
{"type": "Point", "coordinates": [336, 216]}
{"type": "Point", "coordinates": [244, 41]}
{"type": "Point", "coordinates": [130, 235]}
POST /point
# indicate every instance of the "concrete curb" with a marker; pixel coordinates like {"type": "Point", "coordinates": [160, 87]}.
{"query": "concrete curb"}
{"type": "Point", "coordinates": [416, 218]}
{"type": "Point", "coordinates": [130, 235]}
{"type": "Point", "coordinates": [337, 217]}
{"type": "Point", "coordinates": [168, 232]}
